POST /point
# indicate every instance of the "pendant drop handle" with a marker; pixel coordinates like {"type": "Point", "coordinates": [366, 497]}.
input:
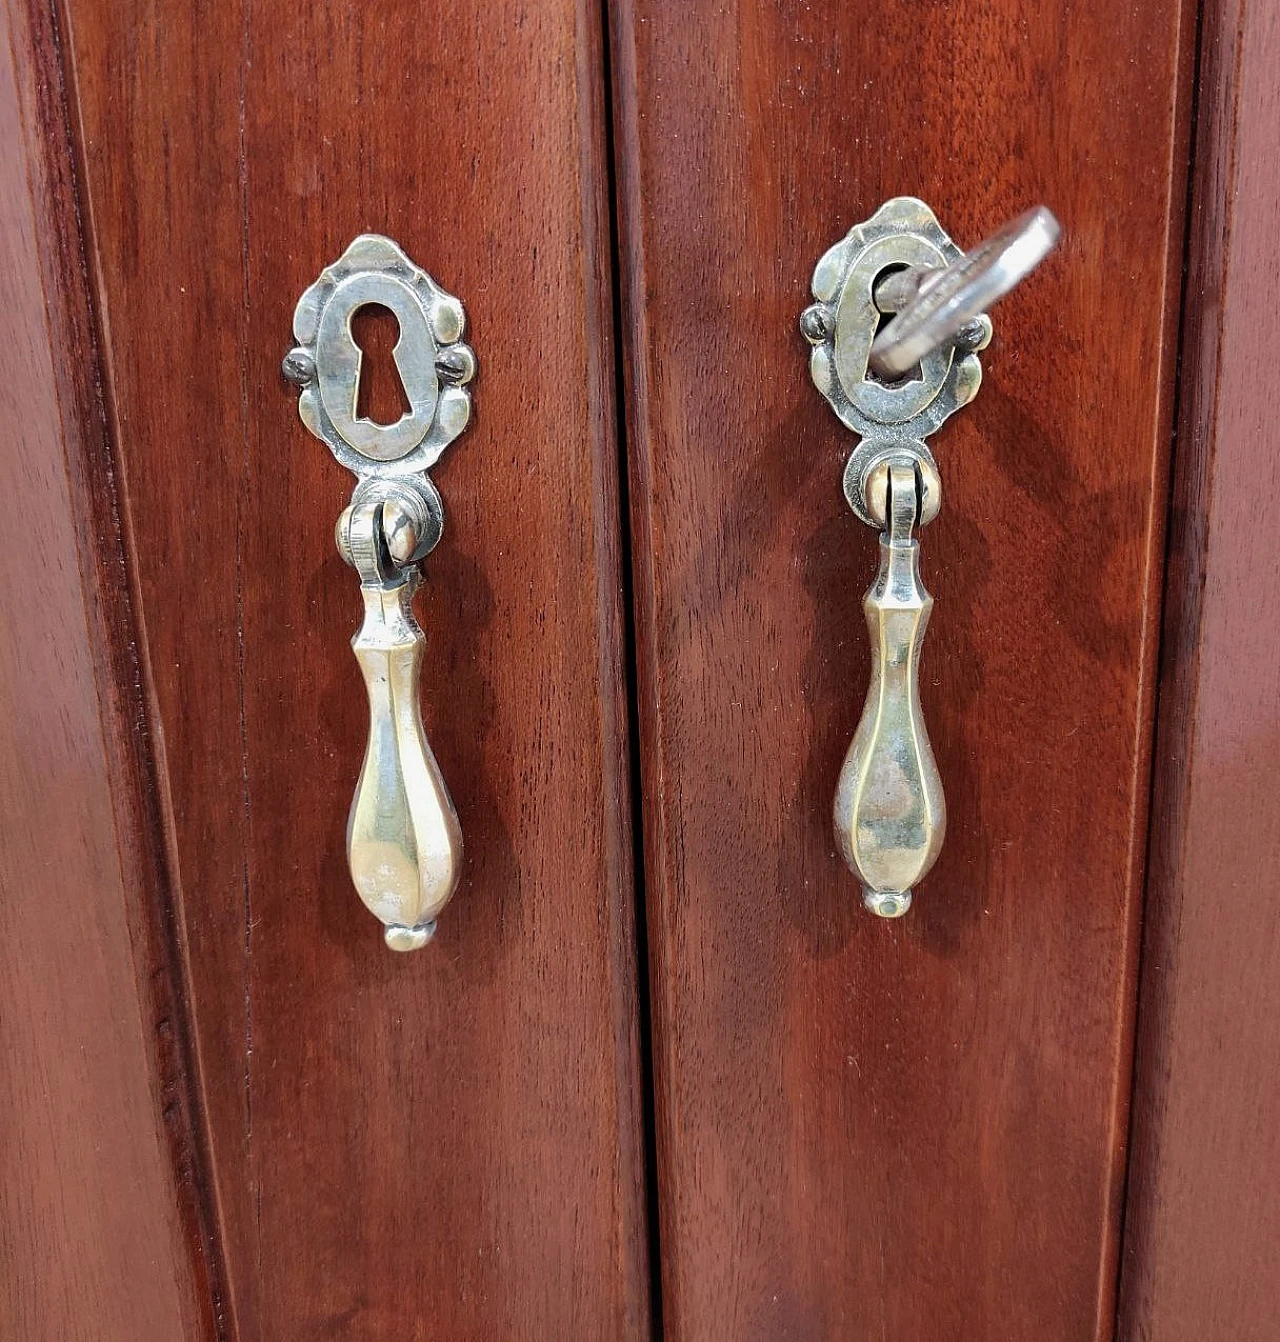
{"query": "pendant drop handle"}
{"type": "Point", "coordinates": [404, 845]}
{"type": "Point", "coordinates": [895, 329]}
{"type": "Point", "coordinates": [890, 815]}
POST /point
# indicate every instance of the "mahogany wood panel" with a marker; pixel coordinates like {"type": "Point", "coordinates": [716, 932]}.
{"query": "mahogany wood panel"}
{"type": "Point", "coordinates": [1203, 1219]}
{"type": "Point", "coordinates": [100, 1234]}
{"type": "Point", "coordinates": [915, 1129]}
{"type": "Point", "coordinates": [444, 1144]}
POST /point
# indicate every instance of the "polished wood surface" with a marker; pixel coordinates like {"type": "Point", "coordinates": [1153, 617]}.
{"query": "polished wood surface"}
{"type": "Point", "coordinates": [1203, 1218]}
{"type": "Point", "coordinates": [101, 1233]}
{"type": "Point", "coordinates": [443, 1145]}
{"type": "Point", "coordinates": [231, 1113]}
{"type": "Point", "coordinates": [910, 1130]}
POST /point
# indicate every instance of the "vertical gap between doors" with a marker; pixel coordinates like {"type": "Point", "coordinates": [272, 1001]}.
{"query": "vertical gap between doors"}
{"type": "Point", "coordinates": [630, 663]}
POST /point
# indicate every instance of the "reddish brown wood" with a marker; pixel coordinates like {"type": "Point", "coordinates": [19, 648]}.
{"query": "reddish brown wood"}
{"type": "Point", "coordinates": [445, 1144]}
{"type": "Point", "coordinates": [101, 1232]}
{"type": "Point", "coordinates": [1203, 1217]}
{"type": "Point", "coordinates": [907, 1130]}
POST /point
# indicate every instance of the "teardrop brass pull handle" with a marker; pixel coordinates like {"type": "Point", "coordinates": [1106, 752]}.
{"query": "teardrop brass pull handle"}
{"type": "Point", "coordinates": [894, 387]}
{"type": "Point", "coordinates": [890, 814]}
{"type": "Point", "coordinates": [404, 846]}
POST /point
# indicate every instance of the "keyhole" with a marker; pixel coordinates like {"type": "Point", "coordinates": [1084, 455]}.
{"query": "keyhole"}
{"type": "Point", "coordinates": [381, 396]}
{"type": "Point", "coordinates": [914, 374]}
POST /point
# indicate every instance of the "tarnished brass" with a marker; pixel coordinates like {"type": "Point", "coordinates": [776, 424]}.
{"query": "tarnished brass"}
{"type": "Point", "coordinates": [404, 846]}
{"type": "Point", "coordinates": [893, 387]}
{"type": "Point", "coordinates": [889, 812]}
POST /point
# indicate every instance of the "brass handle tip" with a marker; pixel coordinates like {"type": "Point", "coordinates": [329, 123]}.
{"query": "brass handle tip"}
{"type": "Point", "coordinates": [401, 938]}
{"type": "Point", "coordinates": [886, 903]}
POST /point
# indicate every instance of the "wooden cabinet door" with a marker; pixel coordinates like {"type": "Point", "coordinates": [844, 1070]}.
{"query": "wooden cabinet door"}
{"type": "Point", "coordinates": [360, 1145]}
{"type": "Point", "coordinates": [758, 1113]}
{"type": "Point", "coordinates": [911, 1129]}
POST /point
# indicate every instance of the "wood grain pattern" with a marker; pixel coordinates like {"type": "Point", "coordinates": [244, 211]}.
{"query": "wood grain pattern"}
{"type": "Point", "coordinates": [101, 1238]}
{"type": "Point", "coordinates": [916, 1130]}
{"type": "Point", "coordinates": [445, 1144]}
{"type": "Point", "coordinates": [1203, 1218]}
